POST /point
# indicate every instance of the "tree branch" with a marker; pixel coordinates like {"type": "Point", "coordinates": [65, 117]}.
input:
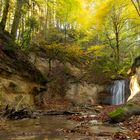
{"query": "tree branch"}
{"type": "Point", "coordinates": [138, 10]}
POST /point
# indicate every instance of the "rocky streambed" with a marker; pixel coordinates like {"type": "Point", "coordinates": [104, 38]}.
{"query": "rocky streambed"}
{"type": "Point", "coordinates": [84, 125]}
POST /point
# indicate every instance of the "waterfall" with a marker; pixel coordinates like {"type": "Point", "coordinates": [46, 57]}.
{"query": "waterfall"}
{"type": "Point", "coordinates": [118, 92]}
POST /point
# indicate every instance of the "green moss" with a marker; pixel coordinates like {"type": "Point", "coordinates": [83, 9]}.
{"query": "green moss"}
{"type": "Point", "coordinates": [121, 110]}
{"type": "Point", "coordinates": [117, 112]}
{"type": "Point", "coordinates": [130, 105]}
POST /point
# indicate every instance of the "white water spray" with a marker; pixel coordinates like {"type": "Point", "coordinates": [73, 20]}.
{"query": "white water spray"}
{"type": "Point", "coordinates": [118, 92]}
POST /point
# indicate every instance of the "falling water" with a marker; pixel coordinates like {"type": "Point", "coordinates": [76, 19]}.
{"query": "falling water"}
{"type": "Point", "coordinates": [118, 92]}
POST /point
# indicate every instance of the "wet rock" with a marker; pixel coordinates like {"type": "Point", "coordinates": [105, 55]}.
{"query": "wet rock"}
{"type": "Point", "coordinates": [124, 112]}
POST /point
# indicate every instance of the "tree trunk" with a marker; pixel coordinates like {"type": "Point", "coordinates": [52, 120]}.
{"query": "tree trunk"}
{"type": "Point", "coordinates": [5, 14]}
{"type": "Point", "coordinates": [117, 49]}
{"type": "Point", "coordinates": [1, 7]}
{"type": "Point", "coordinates": [17, 17]}
{"type": "Point", "coordinates": [65, 30]}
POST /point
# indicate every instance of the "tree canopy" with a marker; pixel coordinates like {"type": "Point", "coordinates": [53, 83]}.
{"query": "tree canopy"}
{"type": "Point", "coordinates": [90, 24]}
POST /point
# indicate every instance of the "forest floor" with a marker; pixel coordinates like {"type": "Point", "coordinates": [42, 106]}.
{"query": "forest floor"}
{"type": "Point", "coordinates": [131, 124]}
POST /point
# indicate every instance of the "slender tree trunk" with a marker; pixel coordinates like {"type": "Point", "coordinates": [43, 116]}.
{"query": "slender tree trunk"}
{"type": "Point", "coordinates": [8, 23]}
{"type": "Point", "coordinates": [17, 16]}
{"type": "Point", "coordinates": [65, 32]}
{"type": "Point", "coordinates": [5, 14]}
{"type": "Point", "coordinates": [117, 48]}
{"type": "Point", "coordinates": [117, 41]}
{"type": "Point", "coordinates": [46, 26]}
{"type": "Point", "coordinates": [50, 65]}
{"type": "Point", "coordinates": [22, 27]}
{"type": "Point", "coordinates": [1, 3]}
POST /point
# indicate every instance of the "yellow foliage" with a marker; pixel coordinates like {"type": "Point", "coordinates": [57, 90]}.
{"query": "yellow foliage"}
{"type": "Point", "coordinates": [75, 50]}
{"type": "Point", "coordinates": [84, 15]}
{"type": "Point", "coordinates": [131, 12]}
{"type": "Point", "coordinates": [95, 48]}
{"type": "Point", "coordinates": [65, 51]}
{"type": "Point", "coordinates": [101, 10]}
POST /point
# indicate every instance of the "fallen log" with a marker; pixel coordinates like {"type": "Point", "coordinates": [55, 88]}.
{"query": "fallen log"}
{"type": "Point", "coordinates": [11, 113]}
{"type": "Point", "coordinates": [60, 113]}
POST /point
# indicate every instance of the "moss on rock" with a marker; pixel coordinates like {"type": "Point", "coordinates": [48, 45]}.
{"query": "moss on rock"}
{"type": "Point", "coordinates": [124, 112]}
{"type": "Point", "coordinates": [117, 112]}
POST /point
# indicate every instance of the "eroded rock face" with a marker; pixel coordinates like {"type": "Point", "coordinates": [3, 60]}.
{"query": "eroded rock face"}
{"type": "Point", "coordinates": [16, 92]}
{"type": "Point", "coordinates": [18, 76]}
{"type": "Point", "coordinates": [134, 72]}
{"type": "Point", "coordinates": [79, 92]}
{"type": "Point", "coordinates": [134, 66]}
{"type": "Point", "coordinates": [14, 61]}
{"type": "Point", "coordinates": [134, 86]}
{"type": "Point", "coordinates": [85, 93]}
{"type": "Point", "coordinates": [135, 82]}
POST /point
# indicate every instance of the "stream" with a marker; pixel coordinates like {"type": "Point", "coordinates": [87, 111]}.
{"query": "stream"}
{"type": "Point", "coordinates": [60, 127]}
{"type": "Point", "coordinates": [52, 128]}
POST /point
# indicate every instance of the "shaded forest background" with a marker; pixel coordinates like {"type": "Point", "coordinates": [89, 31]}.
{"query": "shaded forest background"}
{"type": "Point", "coordinates": [93, 35]}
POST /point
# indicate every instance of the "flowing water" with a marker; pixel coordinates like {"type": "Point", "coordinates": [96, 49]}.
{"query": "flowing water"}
{"type": "Point", "coordinates": [53, 127]}
{"type": "Point", "coordinates": [50, 128]}
{"type": "Point", "coordinates": [118, 92]}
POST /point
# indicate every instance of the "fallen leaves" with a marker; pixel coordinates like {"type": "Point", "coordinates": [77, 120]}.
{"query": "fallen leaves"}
{"type": "Point", "coordinates": [79, 118]}
{"type": "Point", "coordinates": [133, 125]}
{"type": "Point", "coordinates": [119, 136]}
{"type": "Point", "coordinates": [80, 129]}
